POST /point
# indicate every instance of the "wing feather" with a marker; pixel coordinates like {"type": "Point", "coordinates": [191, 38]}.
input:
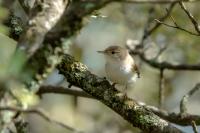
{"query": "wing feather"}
{"type": "Point", "coordinates": [135, 69]}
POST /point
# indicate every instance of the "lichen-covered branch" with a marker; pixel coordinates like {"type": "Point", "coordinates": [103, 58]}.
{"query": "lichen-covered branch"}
{"type": "Point", "coordinates": [77, 74]}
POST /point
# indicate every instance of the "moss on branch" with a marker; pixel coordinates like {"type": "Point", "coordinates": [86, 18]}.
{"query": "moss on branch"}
{"type": "Point", "coordinates": [77, 74]}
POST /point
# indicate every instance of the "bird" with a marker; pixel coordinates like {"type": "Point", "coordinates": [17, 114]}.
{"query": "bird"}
{"type": "Point", "coordinates": [120, 66]}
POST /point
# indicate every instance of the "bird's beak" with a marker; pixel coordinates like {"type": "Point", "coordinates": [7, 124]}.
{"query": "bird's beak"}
{"type": "Point", "coordinates": [101, 52]}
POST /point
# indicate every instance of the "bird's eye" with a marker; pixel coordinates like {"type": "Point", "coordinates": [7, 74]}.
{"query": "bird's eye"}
{"type": "Point", "coordinates": [112, 52]}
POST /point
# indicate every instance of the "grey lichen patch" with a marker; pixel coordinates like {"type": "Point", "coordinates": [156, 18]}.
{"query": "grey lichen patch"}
{"type": "Point", "coordinates": [106, 95]}
{"type": "Point", "coordinates": [147, 119]}
{"type": "Point", "coordinates": [71, 65]}
{"type": "Point", "coordinates": [79, 67]}
{"type": "Point", "coordinates": [129, 104]}
{"type": "Point", "coordinates": [74, 71]}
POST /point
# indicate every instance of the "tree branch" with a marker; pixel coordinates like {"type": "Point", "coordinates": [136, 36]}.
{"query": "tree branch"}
{"type": "Point", "coordinates": [39, 112]}
{"type": "Point", "coordinates": [164, 65]}
{"type": "Point", "coordinates": [194, 126]}
{"type": "Point", "coordinates": [61, 90]}
{"type": "Point", "coordinates": [177, 27]}
{"type": "Point", "coordinates": [77, 74]}
{"type": "Point", "coordinates": [149, 30]}
{"type": "Point", "coordinates": [190, 16]}
{"type": "Point", "coordinates": [171, 117]}
{"type": "Point", "coordinates": [158, 1]}
{"type": "Point", "coordinates": [154, 1]}
{"type": "Point", "coordinates": [43, 18]}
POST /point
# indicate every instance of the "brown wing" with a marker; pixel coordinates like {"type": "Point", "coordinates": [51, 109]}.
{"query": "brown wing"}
{"type": "Point", "coordinates": [135, 69]}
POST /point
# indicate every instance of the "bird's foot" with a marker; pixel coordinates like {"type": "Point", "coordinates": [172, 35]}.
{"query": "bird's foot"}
{"type": "Point", "coordinates": [122, 96]}
{"type": "Point", "coordinates": [125, 96]}
{"type": "Point", "coordinates": [113, 85]}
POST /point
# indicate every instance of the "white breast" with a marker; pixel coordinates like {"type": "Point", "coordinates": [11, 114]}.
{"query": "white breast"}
{"type": "Point", "coordinates": [120, 73]}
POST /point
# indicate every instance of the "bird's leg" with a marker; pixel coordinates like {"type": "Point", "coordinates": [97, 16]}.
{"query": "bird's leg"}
{"type": "Point", "coordinates": [113, 85]}
{"type": "Point", "coordinates": [135, 68]}
{"type": "Point", "coordinates": [125, 92]}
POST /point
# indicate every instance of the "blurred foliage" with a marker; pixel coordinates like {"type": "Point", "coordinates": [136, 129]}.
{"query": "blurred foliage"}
{"type": "Point", "coordinates": [21, 126]}
{"type": "Point", "coordinates": [12, 90]}
{"type": "Point", "coordinates": [3, 16]}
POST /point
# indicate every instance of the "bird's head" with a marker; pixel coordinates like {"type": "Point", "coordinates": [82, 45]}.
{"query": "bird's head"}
{"type": "Point", "coordinates": [115, 53]}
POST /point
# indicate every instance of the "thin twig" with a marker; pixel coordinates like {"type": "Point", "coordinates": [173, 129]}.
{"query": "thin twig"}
{"type": "Point", "coordinates": [161, 88]}
{"type": "Point", "coordinates": [190, 16]}
{"type": "Point", "coordinates": [154, 1]}
{"type": "Point", "coordinates": [148, 32]}
{"type": "Point", "coordinates": [39, 112]}
{"type": "Point", "coordinates": [146, 28]}
{"type": "Point", "coordinates": [194, 126]}
{"type": "Point", "coordinates": [172, 18]}
{"type": "Point", "coordinates": [177, 27]}
{"type": "Point", "coordinates": [167, 65]}
{"type": "Point", "coordinates": [184, 100]}
{"type": "Point", "coordinates": [62, 90]}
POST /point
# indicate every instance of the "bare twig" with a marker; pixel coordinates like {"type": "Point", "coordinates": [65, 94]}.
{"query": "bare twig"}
{"type": "Point", "coordinates": [172, 18]}
{"type": "Point", "coordinates": [194, 126]}
{"type": "Point", "coordinates": [165, 65]}
{"type": "Point", "coordinates": [160, 52]}
{"type": "Point", "coordinates": [148, 31]}
{"type": "Point", "coordinates": [154, 1]}
{"type": "Point", "coordinates": [147, 1]}
{"type": "Point", "coordinates": [173, 117]}
{"type": "Point", "coordinates": [177, 27]}
{"type": "Point", "coordinates": [39, 112]}
{"type": "Point", "coordinates": [184, 100]}
{"type": "Point", "coordinates": [62, 90]}
{"type": "Point", "coordinates": [190, 16]}
{"type": "Point", "coordinates": [161, 88]}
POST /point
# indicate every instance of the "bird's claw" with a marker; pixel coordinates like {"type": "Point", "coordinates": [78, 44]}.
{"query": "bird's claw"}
{"type": "Point", "coordinates": [113, 85]}
{"type": "Point", "coordinates": [122, 96]}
